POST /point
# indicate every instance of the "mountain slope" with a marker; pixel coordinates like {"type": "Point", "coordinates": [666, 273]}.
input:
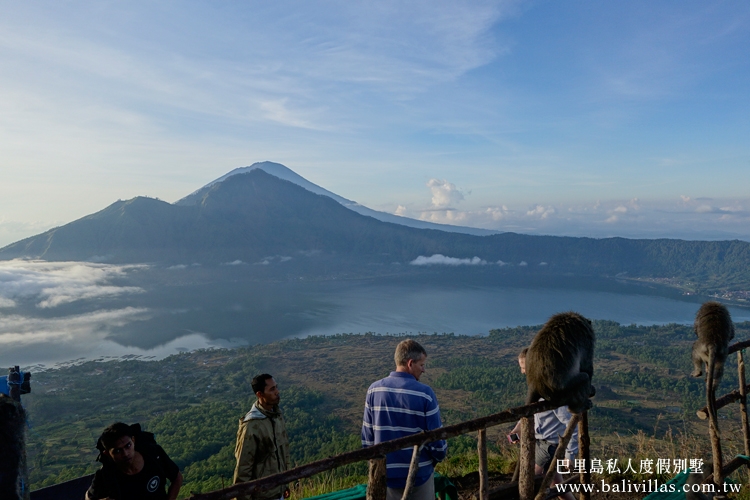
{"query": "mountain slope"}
{"type": "Point", "coordinates": [284, 173]}
{"type": "Point", "coordinates": [254, 215]}
{"type": "Point", "coordinates": [247, 216]}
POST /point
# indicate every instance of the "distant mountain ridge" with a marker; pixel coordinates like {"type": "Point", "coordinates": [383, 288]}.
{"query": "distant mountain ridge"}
{"type": "Point", "coordinates": [285, 173]}
{"type": "Point", "coordinates": [248, 217]}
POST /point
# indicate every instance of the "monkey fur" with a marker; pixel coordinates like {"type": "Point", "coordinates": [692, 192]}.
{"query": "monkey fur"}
{"type": "Point", "coordinates": [714, 328]}
{"type": "Point", "coordinates": [560, 362]}
{"type": "Point", "coordinates": [695, 478]}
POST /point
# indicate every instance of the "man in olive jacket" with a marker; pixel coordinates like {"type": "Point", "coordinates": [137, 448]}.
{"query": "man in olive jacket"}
{"type": "Point", "coordinates": [262, 444]}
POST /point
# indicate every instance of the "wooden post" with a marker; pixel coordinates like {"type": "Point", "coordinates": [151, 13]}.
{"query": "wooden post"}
{"type": "Point", "coordinates": [732, 466]}
{"type": "Point", "coordinates": [722, 402]}
{"type": "Point", "coordinates": [713, 434]}
{"type": "Point", "coordinates": [413, 469]}
{"type": "Point", "coordinates": [514, 479]}
{"type": "Point", "coordinates": [376, 485]}
{"type": "Point", "coordinates": [743, 401]}
{"type": "Point", "coordinates": [483, 474]}
{"type": "Point", "coordinates": [584, 453]}
{"type": "Point", "coordinates": [526, 459]}
{"type": "Point", "coordinates": [562, 444]}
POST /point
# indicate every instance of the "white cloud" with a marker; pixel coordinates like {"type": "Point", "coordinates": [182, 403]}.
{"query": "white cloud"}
{"type": "Point", "coordinates": [541, 212]}
{"type": "Point", "coordinates": [733, 209]}
{"type": "Point", "coordinates": [233, 263]}
{"type": "Point", "coordinates": [26, 339]}
{"type": "Point", "coordinates": [439, 259]}
{"type": "Point", "coordinates": [276, 258]}
{"type": "Point", "coordinates": [497, 213]}
{"type": "Point", "coordinates": [444, 193]}
{"type": "Point", "coordinates": [484, 217]}
{"type": "Point", "coordinates": [278, 111]}
{"type": "Point", "coordinates": [455, 217]}
{"type": "Point", "coordinates": [54, 283]}
{"type": "Point", "coordinates": [698, 218]}
{"type": "Point", "coordinates": [19, 330]}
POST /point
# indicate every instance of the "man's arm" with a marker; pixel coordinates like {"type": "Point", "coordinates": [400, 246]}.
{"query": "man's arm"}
{"type": "Point", "coordinates": [244, 452]}
{"type": "Point", "coordinates": [368, 433]}
{"type": "Point", "coordinates": [516, 429]}
{"type": "Point", "coordinates": [439, 448]}
{"type": "Point", "coordinates": [174, 488]}
{"type": "Point", "coordinates": [171, 471]}
{"type": "Point", "coordinates": [98, 489]}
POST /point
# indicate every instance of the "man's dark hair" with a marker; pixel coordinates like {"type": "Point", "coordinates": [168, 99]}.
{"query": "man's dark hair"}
{"type": "Point", "coordinates": [259, 382]}
{"type": "Point", "coordinates": [114, 432]}
{"type": "Point", "coordinates": [522, 354]}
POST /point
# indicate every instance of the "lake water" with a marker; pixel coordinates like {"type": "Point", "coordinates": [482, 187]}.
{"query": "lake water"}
{"type": "Point", "coordinates": [476, 310]}
{"type": "Point", "coordinates": [164, 319]}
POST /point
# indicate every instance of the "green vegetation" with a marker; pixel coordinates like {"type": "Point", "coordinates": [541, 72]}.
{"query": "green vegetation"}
{"type": "Point", "coordinates": [645, 405]}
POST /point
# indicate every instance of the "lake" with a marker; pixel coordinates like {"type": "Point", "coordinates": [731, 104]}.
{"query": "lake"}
{"type": "Point", "coordinates": [154, 319]}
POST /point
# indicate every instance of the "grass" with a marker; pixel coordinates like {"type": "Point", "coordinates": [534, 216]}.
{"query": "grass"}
{"type": "Point", "coordinates": [325, 482]}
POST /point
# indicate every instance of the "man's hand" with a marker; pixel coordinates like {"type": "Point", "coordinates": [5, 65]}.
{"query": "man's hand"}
{"type": "Point", "coordinates": [287, 493]}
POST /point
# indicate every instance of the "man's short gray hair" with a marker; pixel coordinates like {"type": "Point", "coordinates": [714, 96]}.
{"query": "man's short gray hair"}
{"type": "Point", "coordinates": [406, 350]}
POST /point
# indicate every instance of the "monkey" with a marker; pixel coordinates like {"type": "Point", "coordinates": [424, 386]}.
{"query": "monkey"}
{"type": "Point", "coordinates": [714, 328]}
{"type": "Point", "coordinates": [695, 478]}
{"type": "Point", "coordinates": [560, 362]}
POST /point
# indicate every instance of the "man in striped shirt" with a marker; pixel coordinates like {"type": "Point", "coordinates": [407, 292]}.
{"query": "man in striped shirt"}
{"type": "Point", "coordinates": [397, 406]}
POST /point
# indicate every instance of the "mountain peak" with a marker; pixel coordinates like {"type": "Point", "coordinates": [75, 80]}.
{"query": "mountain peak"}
{"type": "Point", "coordinates": [287, 174]}
{"type": "Point", "coordinates": [272, 168]}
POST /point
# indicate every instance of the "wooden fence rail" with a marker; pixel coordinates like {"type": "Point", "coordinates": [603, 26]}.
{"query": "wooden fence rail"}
{"type": "Point", "coordinates": [379, 451]}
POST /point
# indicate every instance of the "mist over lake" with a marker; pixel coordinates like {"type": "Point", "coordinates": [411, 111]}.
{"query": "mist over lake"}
{"type": "Point", "coordinates": [94, 311]}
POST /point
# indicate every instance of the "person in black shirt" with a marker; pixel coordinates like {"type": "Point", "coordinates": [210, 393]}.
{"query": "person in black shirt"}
{"type": "Point", "coordinates": [134, 467]}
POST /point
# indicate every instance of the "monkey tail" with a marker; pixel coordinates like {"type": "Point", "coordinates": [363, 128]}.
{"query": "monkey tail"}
{"type": "Point", "coordinates": [711, 392]}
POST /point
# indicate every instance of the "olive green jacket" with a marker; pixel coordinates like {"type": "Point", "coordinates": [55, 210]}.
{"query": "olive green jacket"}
{"type": "Point", "coordinates": [262, 449]}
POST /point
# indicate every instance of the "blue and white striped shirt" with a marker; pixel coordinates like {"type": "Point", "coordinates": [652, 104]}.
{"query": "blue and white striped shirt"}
{"type": "Point", "coordinates": [399, 406]}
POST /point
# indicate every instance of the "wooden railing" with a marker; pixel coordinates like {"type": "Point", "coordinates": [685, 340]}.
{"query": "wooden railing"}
{"type": "Point", "coordinates": [376, 455]}
{"type": "Point", "coordinates": [721, 471]}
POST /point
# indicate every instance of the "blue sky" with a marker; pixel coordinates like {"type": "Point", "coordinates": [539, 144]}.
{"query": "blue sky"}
{"type": "Point", "coordinates": [578, 118]}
